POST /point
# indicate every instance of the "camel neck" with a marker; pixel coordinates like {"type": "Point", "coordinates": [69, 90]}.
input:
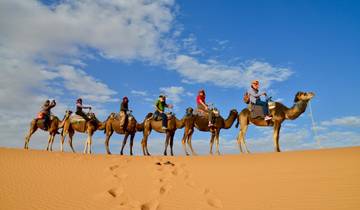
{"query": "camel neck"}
{"type": "Point", "coordinates": [297, 109]}
{"type": "Point", "coordinates": [230, 120]}
{"type": "Point", "coordinates": [180, 123]}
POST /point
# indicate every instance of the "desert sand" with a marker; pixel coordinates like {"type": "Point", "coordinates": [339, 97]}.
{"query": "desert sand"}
{"type": "Point", "coordinates": [318, 179]}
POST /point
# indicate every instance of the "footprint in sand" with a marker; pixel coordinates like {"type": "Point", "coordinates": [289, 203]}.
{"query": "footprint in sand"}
{"type": "Point", "coordinates": [112, 168]}
{"type": "Point", "coordinates": [164, 189]}
{"type": "Point", "coordinates": [207, 191]}
{"type": "Point", "coordinates": [214, 202]}
{"type": "Point", "coordinates": [152, 205]}
{"type": "Point", "coordinates": [114, 192]}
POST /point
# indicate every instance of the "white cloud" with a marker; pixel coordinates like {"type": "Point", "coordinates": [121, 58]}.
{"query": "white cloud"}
{"type": "Point", "coordinates": [78, 82]}
{"type": "Point", "coordinates": [117, 29]}
{"type": "Point", "coordinates": [173, 93]}
{"type": "Point", "coordinates": [350, 121]}
{"type": "Point", "coordinates": [228, 76]}
{"type": "Point", "coordinates": [191, 46]}
{"type": "Point", "coordinates": [139, 92]}
{"type": "Point", "coordinates": [220, 45]}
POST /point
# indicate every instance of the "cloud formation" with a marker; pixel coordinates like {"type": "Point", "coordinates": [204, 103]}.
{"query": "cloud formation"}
{"type": "Point", "coordinates": [349, 121]}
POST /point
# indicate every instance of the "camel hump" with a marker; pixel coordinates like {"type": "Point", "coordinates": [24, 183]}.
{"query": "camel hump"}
{"type": "Point", "coordinates": [150, 114]}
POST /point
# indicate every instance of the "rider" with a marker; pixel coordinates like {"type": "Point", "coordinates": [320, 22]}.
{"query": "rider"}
{"type": "Point", "coordinates": [124, 108]}
{"type": "Point", "coordinates": [255, 98]}
{"type": "Point", "coordinates": [160, 106]}
{"type": "Point", "coordinates": [202, 106]}
{"type": "Point", "coordinates": [46, 111]}
{"type": "Point", "coordinates": [80, 107]}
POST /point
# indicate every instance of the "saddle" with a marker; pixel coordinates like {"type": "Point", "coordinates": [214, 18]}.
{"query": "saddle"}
{"type": "Point", "coordinates": [202, 113]}
{"type": "Point", "coordinates": [169, 115]}
{"type": "Point", "coordinates": [121, 116]}
{"type": "Point", "coordinates": [257, 111]}
{"type": "Point", "coordinates": [40, 122]}
{"type": "Point", "coordinates": [74, 118]}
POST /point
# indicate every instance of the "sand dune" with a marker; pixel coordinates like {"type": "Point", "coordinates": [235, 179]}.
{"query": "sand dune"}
{"type": "Point", "coordinates": [319, 179]}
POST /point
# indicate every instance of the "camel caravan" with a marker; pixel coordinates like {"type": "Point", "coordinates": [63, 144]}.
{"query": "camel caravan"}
{"type": "Point", "coordinates": [204, 118]}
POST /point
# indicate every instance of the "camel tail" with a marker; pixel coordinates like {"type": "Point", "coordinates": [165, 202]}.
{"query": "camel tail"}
{"type": "Point", "coordinates": [237, 123]}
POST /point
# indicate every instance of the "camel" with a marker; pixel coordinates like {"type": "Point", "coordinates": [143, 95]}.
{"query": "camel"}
{"type": "Point", "coordinates": [201, 123]}
{"type": "Point", "coordinates": [279, 113]}
{"type": "Point", "coordinates": [55, 124]}
{"type": "Point", "coordinates": [113, 124]}
{"type": "Point", "coordinates": [78, 124]}
{"type": "Point", "coordinates": [151, 124]}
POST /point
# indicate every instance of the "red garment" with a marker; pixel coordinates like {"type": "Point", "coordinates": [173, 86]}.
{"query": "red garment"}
{"type": "Point", "coordinates": [199, 99]}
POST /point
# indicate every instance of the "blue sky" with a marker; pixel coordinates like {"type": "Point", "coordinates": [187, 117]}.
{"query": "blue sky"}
{"type": "Point", "coordinates": [104, 50]}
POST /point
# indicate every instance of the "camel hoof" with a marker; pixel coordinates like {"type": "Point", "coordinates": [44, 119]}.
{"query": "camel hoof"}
{"type": "Point", "coordinates": [121, 153]}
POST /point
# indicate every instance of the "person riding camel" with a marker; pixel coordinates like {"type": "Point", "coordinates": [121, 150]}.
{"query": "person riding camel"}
{"type": "Point", "coordinates": [80, 107]}
{"type": "Point", "coordinates": [124, 109]}
{"type": "Point", "coordinates": [46, 112]}
{"type": "Point", "coordinates": [160, 106]}
{"type": "Point", "coordinates": [255, 98]}
{"type": "Point", "coordinates": [203, 107]}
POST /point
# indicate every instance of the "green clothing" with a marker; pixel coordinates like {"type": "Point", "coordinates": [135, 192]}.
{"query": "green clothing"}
{"type": "Point", "coordinates": [161, 105]}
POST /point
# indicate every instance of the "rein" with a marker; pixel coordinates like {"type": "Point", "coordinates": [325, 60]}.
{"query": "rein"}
{"type": "Point", "coordinates": [314, 126]}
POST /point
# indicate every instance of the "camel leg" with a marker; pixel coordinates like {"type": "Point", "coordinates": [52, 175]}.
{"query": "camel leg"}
{"type": "Point", "coordinates": [183, 142]}
{"type": "Point", "coordinates": [86, 145]}
{"type": "Point", "coordinates": [166, 142]}
{"type": "Point", "coordinates": [146, 147]}
{"type": "Point", "coordinates": [217, 142]}
{"type": "Point", "coordinates": [190, 145]}
{"type": "Point", "coordinates": [239, 142]}
{"type": "Point", "coordinates": [172, 144]}
{"type": "Point", "coordinates": [144, 143]}
{"type": "Point", "coordinates": [277, 126]}
{"type": "Point", "coordinates": [48, 144]}
{"type": "Point", "coordinates": [124, 143]}
{"type": "Point", "coordinates": [242, 133]}
{"type": "Point", "coordinates": [132, 143]}
{"type": "Point", "coordinates": [71, 135]}
{"type": "Point", "coordinates": [32, 130]}
{"type": "Point", "coordinates": [90, 142]}
{"type": "Point", "coordinates": [63, 136]}
{"type": "Point", "coordinates": [108, 135]}
{"type": "Point", "coordinates": [52, 141]}
{"type": "Point", "coordinates": [211, 142]}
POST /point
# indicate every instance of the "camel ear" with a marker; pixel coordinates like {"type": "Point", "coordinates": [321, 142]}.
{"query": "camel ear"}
{"type": "Point", "coordinates": [296, 99]}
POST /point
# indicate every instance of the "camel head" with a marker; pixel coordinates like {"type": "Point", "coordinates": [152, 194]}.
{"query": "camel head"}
{"type": "Point", "coordinates": [303, 96]}
{"type": "Point", "coordinates": [67, 114]}
{"type": "Point", "coordinates": [189, 111]}
{"type": "Point", "coordinates": [233, 112]}
{"type": "Point", "coordinates": [91, 115]}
